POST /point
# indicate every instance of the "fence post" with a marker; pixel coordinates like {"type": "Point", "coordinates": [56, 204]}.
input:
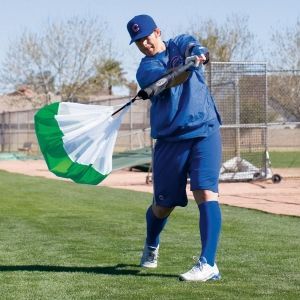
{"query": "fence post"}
{"type": "Point", "coordinates": [2, 135]}
{"type": "Point", "coordinates": [237, 118]}
{"type": "Point", "coordinates": [209, 83]}
{"type": "Point", "coordinates": [267, 158]}
{"type": "Point", "coordinates": [131, 128]}
{"type": "Point", "coordinates": [9, 131]}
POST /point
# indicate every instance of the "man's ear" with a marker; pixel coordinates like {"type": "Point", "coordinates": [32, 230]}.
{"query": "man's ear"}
{"type": "Point", "coordinates": [157, 32]}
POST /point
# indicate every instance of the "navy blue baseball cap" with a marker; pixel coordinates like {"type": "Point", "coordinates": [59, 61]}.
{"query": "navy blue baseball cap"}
{"type": "Point", "coordinates": [140, 26]}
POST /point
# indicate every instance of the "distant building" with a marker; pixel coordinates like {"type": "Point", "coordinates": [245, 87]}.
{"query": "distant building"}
{"type": "Point", "coordinates": [22, 99]}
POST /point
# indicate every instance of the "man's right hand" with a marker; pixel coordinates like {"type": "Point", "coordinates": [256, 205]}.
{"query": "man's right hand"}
{"type": "Point", "coordinates": [197, 59]}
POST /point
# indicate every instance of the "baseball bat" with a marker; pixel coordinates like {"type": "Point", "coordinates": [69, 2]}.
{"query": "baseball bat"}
{"type": "Point", "coordinates": [164, 82]}
{"type": "Point", "coordinates": [159, 85]}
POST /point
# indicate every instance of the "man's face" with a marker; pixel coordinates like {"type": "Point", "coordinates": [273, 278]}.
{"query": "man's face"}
{"type": "Point", "coordinates": [152, 44]}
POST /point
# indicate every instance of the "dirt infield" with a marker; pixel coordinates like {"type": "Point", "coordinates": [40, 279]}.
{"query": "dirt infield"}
{"type": "Point", "coordinates": [282, 198]}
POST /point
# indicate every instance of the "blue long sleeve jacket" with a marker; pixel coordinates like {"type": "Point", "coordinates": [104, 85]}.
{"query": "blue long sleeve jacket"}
{"type": "Point", "coordinates": [187, 110]}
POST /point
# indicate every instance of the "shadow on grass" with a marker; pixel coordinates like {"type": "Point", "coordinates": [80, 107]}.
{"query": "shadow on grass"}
{"type": "Point", "coordinates": [119, 269]}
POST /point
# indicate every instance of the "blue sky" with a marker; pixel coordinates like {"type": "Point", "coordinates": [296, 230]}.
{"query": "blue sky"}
{"type": "Point", "coordinates": [170, 15]}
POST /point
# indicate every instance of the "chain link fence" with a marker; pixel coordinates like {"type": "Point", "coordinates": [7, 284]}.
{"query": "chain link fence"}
{"type": "Point", "coordinates": [17, 127]}
{"type": "Point", "coordinates": [260, 110]}
{"type": "Point", "coordinates": [284, 110]}
{"type": "Point", "coordinates": [261, 114]}
{"type": "Point", "coordinates": [240, 91]}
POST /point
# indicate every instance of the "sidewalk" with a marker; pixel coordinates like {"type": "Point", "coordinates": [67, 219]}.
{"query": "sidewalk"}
{"type": "Point", "coordinates": [282, 198]}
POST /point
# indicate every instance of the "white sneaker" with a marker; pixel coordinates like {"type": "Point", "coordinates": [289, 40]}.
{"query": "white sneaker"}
{"type": "Point", "coordinates": [202, 271]}
{"type": "Point", "coordinates": [150, 256]}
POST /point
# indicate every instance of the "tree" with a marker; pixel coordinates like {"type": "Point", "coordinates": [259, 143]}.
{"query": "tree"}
{"type": "Point", "coordinates": [110, 73]}
{"type": "Point", "coordinates": [226, 42]}
{"type": "Point", "coordinates": [284, 73]}
{"type": "Point", "coordinates": [61, 59]}
{"type": "Point", "coordinates": [285, 48]}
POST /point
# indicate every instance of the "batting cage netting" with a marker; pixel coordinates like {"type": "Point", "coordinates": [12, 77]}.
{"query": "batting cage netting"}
{"type": "Point", "coordinates": [240, 91]}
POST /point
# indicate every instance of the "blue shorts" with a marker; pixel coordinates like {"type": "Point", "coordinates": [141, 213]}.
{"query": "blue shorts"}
{"type": "Point", "coordinates": [198, 158]}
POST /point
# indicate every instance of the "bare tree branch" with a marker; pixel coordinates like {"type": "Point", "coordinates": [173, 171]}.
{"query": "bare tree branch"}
{"type": "Point", "coordinates": [63, 54]}
{"type": "Point", "coordinates": [226, 42]}
{"type": "Point", "coordinates": [285, 48]}
{"type": "Point", "coordinates": [284, 87]}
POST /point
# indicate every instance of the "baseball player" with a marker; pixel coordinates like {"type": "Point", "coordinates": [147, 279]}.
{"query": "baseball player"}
{"type": "Point", "coordinates": [186, 125]}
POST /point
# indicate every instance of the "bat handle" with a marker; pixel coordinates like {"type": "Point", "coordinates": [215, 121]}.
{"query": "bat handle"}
{"type": "Point", "coordinates": [161, 84]}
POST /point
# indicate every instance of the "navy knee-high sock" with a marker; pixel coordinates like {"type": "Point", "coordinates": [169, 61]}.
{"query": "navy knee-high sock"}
{"type": "Point", "coordinates": [210, 228]}
{"type": "Point", "coordinates": [154, 228]}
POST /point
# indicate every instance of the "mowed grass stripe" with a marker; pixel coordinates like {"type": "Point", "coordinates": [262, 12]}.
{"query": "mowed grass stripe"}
{"type": "Point", "coordinates": [61, 240]}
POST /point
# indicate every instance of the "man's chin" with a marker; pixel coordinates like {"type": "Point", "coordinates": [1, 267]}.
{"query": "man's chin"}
{"type": "Point", "coordinates": [150, 52]}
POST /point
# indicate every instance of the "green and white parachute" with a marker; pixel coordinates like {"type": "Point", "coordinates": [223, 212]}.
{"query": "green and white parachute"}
{"type": "Point", "coordinates": [77, 140]}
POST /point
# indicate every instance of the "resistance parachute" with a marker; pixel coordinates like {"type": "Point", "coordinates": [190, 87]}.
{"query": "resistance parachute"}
{"type": "Point", "coordinates": [77, 140]}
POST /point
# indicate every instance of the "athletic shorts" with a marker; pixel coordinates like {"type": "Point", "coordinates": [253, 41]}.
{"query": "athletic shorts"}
{"type": "Point", "coordinates": [173, 162]}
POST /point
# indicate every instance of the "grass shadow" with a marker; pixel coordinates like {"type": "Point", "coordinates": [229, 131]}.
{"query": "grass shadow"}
{"type": "Point", "coordinates": [119, 269]}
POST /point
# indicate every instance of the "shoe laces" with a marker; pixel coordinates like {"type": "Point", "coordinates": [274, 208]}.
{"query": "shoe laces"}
{"type": "Point", "coordinates": [152, 254]}
{"type": "Point", "coordinates": [198, 264]}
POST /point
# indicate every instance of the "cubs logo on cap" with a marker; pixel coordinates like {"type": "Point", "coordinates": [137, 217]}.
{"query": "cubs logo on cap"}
{"type": "Point", "coordinates": [135, 27]}
{"type": "Point", "coordinates": [140, 26]}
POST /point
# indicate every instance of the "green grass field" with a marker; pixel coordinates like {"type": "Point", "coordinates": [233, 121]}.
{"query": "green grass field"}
{"type": "Point", "coordinates": [278, 159]}
{"type": "Point", "coordinates": [289, 159]}
{"type": "Point", "coordinates": [60, 240]}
